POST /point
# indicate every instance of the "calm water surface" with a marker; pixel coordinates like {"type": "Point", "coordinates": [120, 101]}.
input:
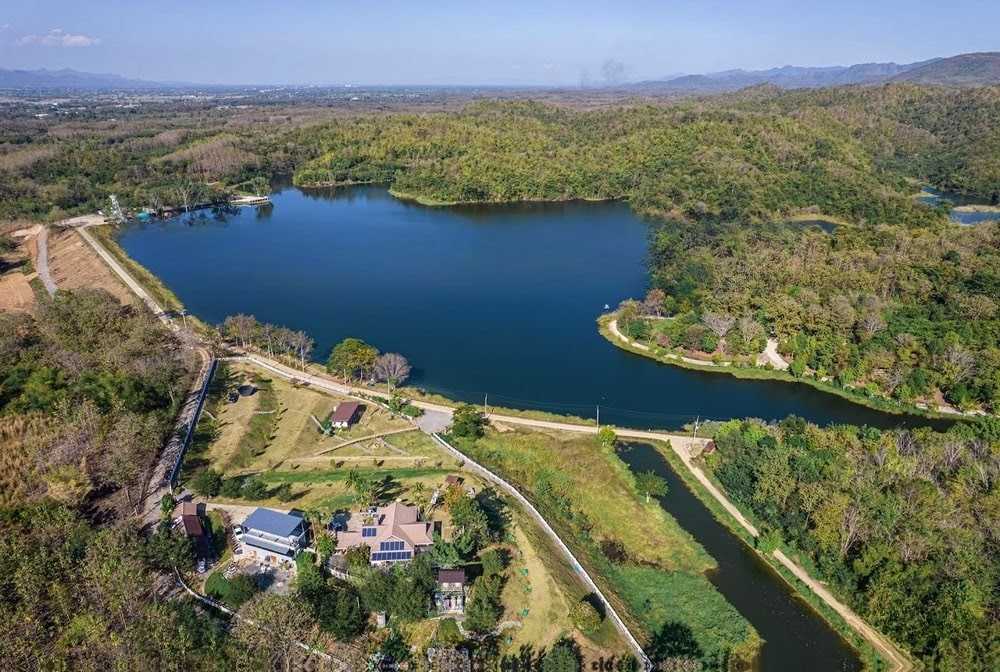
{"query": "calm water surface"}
{"type": "Point", "coordinates": [795, 637]}
{"type": "Point", "coordinates": [498, 300]}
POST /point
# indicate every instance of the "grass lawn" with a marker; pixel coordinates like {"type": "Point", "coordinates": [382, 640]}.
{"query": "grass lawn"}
{"type": "Point", "coordinates": [274, 428]}
{"type": "Point", "coordinates": [602, 487]}
{"type": "Point", "coordinates": [532, 589]}
{"type": "Point", "coordinates": [656, 579]}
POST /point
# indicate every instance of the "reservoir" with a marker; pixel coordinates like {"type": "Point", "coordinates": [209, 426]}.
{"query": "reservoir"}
{"type": "Point", "coordinates": [486, 300]}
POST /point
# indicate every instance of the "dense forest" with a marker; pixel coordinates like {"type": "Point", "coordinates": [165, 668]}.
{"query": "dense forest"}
{"type": "Point", "coordinates": [905, 524]}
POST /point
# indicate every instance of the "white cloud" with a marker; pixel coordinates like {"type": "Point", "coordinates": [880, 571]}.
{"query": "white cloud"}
{"type": "Point", "coordinates": [57, 37]}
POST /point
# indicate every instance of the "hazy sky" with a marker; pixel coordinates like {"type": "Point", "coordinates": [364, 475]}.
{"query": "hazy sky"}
{"type": "Point", "coordinates": [499, 42]}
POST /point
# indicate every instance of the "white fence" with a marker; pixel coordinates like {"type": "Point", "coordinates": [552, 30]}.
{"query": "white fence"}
{"type": "Point", "coordinates": [472, 465]}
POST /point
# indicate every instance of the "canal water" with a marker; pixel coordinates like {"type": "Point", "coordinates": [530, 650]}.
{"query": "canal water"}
{"type": "Point", "coordinates": [497, 300]}
{"type": "Point", "coordinates": [796, 638]}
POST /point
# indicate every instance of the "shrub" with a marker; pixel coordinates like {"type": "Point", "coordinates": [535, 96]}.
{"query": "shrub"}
{"type": "Point", "coordinates": [585, 617]}
{"type": "Point", "coordinates": [468, 422]}
{"type": "Point", "coordinates": [284, 492]}
{"type": "Point", "coordinates": [493, 562]}
{"type": "Point", "coordinates": [254, 489]}
{"type": "Point", "coordinates": [207, 483]}
{"type": "Point", "coordinates": [233, 592]}
{"type": "Point", "coordinates": [561, 658]}
{"type": "Point", "coordinates": [231, 488]}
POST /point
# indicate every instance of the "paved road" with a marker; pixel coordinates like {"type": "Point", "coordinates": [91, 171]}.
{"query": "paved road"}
{"type": "Point", "coordinates": [42, 263]}
{"type": "Point", "coordinates": [770, 354]}
{"type": "Point", "coordinates": [164, 472]}
{"type": "Point", "coordinates": [125, 276]}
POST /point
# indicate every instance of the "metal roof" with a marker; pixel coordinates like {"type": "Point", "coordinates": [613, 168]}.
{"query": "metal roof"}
{"type": "Point", "coordinates": [250, 540]}
{"type": "Point", "coordinates": [273, 522]}
{"type": "Point", "coordinates": [345, 411]}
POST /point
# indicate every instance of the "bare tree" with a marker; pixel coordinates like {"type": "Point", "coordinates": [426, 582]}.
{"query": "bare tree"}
{"type": "Point", "coordinates": [303, 346]}
{"type": "Point", "coordinates": [851, 529]}
{"type": "Point", "coordinates": [719, 323]}
{"type": "Point", "coordinates": [184, 191]}
{"type": "Point", "coordinates": [871, 322]}
{"type": "Point", "coordinates": [959, 362]}
{"type": "Point", "coordinates": [393, 368]}
{"type": "Point", "coordinates": [653, 303]}
{"type": "Point", "coordinates": [749, 329]}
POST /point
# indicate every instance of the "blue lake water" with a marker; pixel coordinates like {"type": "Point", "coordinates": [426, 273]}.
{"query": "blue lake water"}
{"type": "Point", "coordinates": [497, 300]}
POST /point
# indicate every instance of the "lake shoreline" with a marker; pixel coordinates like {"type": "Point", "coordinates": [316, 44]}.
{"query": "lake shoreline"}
{"type": "Point", "coordinates": [763, 373]}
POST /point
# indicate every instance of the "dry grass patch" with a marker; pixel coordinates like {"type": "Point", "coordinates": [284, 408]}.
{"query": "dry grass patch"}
{"type": "Point", "coordinates": [74, 264]}
{"type": "Point", "coordinates": [602, 486]}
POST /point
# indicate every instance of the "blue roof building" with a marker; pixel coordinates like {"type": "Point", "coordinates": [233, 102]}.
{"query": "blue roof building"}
{"type": "Point", "coordinates": [272, 537]}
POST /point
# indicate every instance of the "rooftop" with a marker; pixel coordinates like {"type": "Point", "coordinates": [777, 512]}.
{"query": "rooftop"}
{"type": "Point", "coordinates": [345, 411]}
{"type": "Point", "coordinates": [192, 526]}
{"type": "Point", "coordinates": [273, 522]}
{"type": "Point", "coordinates": [451, 576]}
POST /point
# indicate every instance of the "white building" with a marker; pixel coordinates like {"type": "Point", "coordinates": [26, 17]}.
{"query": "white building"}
{"type": "Point", "coordinates": [272, 537]}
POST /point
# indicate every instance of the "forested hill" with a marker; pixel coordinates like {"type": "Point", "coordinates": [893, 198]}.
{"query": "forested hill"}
{"type": "Point", "coordinates": [894, 302]}
{"type": "Point", "coordinates": [964, 70]}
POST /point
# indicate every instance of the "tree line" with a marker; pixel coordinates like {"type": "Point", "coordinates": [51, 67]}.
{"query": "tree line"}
{"type": "Point", "coordinates": [904, 524]}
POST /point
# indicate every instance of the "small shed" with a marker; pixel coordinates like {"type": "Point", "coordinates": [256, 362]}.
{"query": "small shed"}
{"type": "Point", "coordinates": [345, 415]}
{"type": "Point", "coordinates": [192, 526]}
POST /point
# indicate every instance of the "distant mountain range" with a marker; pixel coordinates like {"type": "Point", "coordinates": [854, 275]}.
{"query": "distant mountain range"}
{"type": "Point", "coordinates": [978, 69]}
{"type": "Point", "coordinates": [964, 70]}
{"type": "Point", "coordinates": [74, 79]}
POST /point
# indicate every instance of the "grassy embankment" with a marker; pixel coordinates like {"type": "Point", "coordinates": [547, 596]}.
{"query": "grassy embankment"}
{"type": "Point", "coordinates": [652, 569]}
{"type": "Point", "coordinates": [661, 355]}
{"type": "Point", "coordinates": [869, 656]}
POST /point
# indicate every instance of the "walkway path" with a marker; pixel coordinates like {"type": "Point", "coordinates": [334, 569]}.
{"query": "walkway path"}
{"type": "Point", "coordinates": [365, 438]}
{"type": "Point", "coordinates": [613, 328]}
{"type": "Point", "coordinates": [165, 470]}
{"type": "Point", "coordinates": [771, 355]}
{"type": "Point", "coordinates": [126, 277]}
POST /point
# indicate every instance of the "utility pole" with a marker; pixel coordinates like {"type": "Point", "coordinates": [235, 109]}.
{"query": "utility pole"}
{"type": "Point", "coordinates": [486, 400]}
{"type": "Point", "coordinates": [598, 417]}
{"type": "Point", "coordinates": [697, 421]}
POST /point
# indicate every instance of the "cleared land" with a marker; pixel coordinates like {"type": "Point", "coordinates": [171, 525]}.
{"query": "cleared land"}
{"type": "Point", "coordinates": [16, 294]}
{"type": "Point", "coordinates": [74, 265]}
